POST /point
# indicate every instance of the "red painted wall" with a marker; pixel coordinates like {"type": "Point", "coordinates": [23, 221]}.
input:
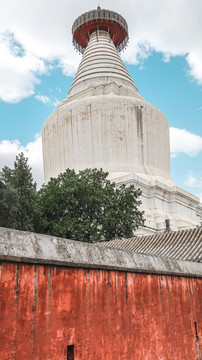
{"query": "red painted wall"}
{"type": "Point", "coordinates": [106, 315]}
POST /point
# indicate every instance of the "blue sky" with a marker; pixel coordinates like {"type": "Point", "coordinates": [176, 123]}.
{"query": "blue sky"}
{"type": "Point", "coordinates": [38, 63]}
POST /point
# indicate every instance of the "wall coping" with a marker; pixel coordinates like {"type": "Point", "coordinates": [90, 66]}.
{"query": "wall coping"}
{"type": "Point", "coordinates": [32, 248]}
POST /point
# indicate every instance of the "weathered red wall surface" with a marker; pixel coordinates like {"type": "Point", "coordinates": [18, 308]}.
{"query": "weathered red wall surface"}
{"type": "Point", "coordinates": [106, 315]}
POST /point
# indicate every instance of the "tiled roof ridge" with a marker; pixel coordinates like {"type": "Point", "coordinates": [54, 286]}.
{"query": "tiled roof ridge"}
{"type": "Point", "coordinates": [166, 233]}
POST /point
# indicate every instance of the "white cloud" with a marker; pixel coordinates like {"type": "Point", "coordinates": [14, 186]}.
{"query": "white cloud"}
{"type": "Point", "coordinates": [194, 60]}
{"type": "Point", "coordinates": [137, 53]}
{"type": "Point", "coordinates": [33, 151]}
{"type": "Point", "coordinates": [172, 27]}
{"type": "Point", "coordinates": [17, 71]}
{"type": "Point", "coordinates": [56, 102]}
{"type": "Point", "coordinates": [42, 36]}
{"type": "Point", "coordinates": [43, 98]}
{"type": "Point", "coordinates": [183, 141]}
{"type": "Point", "coordinates": [193, 181]}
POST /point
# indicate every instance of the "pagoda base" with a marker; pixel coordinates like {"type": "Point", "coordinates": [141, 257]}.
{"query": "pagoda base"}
{"type": "Point", "coordinates": [163, 200]}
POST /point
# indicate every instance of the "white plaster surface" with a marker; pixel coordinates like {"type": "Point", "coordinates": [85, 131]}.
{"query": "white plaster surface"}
{"type": "Point", "coordinates": [163, 200]}
{"type": "Point", "coordinates": [105, 123]}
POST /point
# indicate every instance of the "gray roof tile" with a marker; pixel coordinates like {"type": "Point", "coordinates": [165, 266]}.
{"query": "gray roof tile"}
{"type": "Point", "coordinates": [181, 245]}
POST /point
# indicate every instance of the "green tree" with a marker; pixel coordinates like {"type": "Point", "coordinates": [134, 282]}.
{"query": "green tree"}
{"type": "Point", "coordinates": [88, 207]}
{"type": "Point", "coordinates": [17, 196]}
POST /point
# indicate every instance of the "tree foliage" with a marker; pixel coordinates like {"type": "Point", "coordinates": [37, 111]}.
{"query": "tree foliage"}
{"type": "Point", "coordinates": [84, 206]}
{"type": "Point", "coordinates": [17, 196]}
{"type": "Point", "coordinates": [88, 207]}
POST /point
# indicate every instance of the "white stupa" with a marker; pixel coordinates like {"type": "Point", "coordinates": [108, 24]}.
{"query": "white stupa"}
{"type": "Point", "coordinates": [105, 123]}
